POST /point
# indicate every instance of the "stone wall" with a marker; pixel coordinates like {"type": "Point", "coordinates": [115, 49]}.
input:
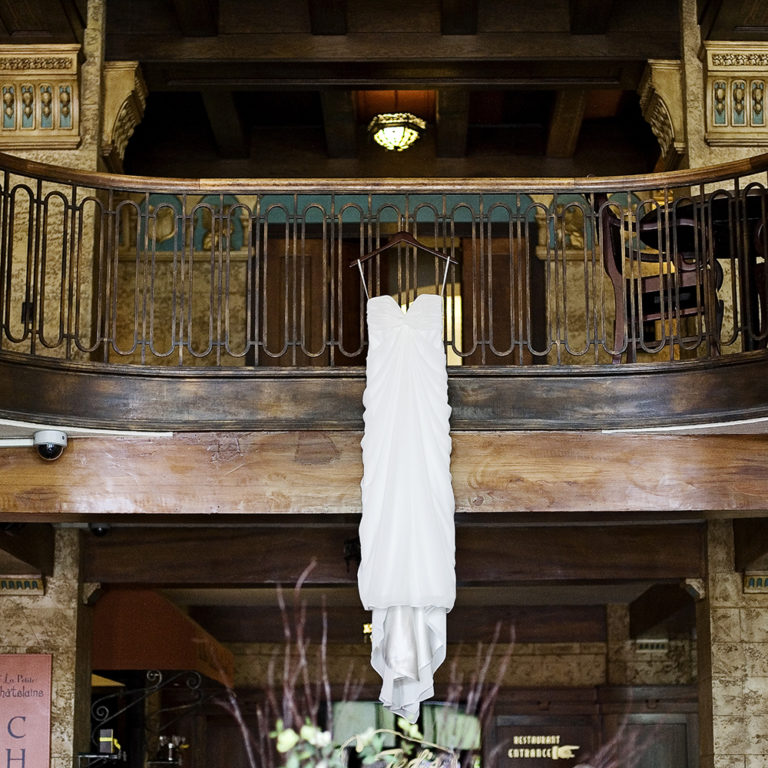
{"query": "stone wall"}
{"type": "Point", "coordinates": [733, 662]}
{"type": "Point", "coordinates": [56, 623]}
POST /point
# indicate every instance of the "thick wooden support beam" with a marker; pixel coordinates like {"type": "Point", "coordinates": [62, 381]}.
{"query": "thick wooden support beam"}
{"type": "Point", "coordinates": [389, 46]}
{"type": "Point", "coordinates": [590, 17]}
{"type": "Point", "coordinates": [452, 122]}
{"type": "Point", "coordinates": [531, 624]}
{"type": "Point", "coordinates": [750, 539]}
{"type": "Point", "coordinates": [328, 17]}
{"type": "Point", "coordinates": [226, 123]}
{"type": "Point", "coordinates": [667, 605]}
{"type": "Point", "coordinates": [573, 475]}
{"type": "Point", "coordinates": [565, 123]}
{"type": "Point", "coordinates": [26, 550]}
{"type": "Point", "coordinates": [340, 123]}
{"type": "Point", "coordinates": [496, 555]}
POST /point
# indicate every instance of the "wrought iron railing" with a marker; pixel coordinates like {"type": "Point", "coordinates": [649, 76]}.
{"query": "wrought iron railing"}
{"type": "Point", "coordinates": [116, 269]}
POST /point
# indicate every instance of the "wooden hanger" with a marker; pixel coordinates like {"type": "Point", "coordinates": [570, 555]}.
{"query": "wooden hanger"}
{"type": "Point", "coordinates": [408, 239]}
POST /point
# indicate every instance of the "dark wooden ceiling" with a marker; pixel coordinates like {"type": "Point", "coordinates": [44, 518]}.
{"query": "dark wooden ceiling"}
{"type": "Point", "coordinates": [245, 88]}
{"type": "Point", "coordinates": [274, 89]}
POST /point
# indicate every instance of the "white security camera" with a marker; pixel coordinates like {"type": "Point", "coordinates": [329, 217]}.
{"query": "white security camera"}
{"type": "Point", "coordinates": [50, 443]}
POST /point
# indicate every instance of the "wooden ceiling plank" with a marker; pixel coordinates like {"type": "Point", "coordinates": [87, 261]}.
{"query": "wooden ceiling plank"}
{"type": "Point", "coordinates": [197, 18]}
{"type": "Point", "coordinates": [395, 47]}
{"type": "Point", "coordinates": [328, 17]}
{"type": "Point", "coordinates": [23, 18]}
{"type": "Point", "coordinates": [458, 17]}
{"type": "Point", "coordinates": [565, 123]}
{"type": "Point", "coordinates": [270, 555]}
{"type": "Point", "coordinates": [340, 123]}
{"type": "Point", "coordinates": [226, 123]}
{"type": "Point", "coordinates": [658, 606]}
{"type": "Point", "coordinates": [466, 624]}
{"type": "Point", "coordinates": [28, 549]}
{"type": "Point", "coordinates": [390, 75]}
{"type": "Point", "coordinates": [589, 17]}
{"type": "Point", "coordinates": [452, 122]}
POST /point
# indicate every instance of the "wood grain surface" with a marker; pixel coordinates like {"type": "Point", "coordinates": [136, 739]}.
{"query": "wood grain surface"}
{"type": "Point", "coordinates": [319, 473]}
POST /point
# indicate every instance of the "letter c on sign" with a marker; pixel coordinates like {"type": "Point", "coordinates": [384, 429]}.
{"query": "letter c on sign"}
{"type": "Point", "coordinates": [10, 728]}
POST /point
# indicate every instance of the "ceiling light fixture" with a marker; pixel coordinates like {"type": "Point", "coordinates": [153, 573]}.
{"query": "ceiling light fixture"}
{"type": "Point", "coordinates": [396, 130]}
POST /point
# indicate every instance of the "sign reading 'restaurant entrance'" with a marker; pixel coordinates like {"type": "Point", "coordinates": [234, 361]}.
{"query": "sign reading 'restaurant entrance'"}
{"type": "Point", "coordinates": [25, 710]}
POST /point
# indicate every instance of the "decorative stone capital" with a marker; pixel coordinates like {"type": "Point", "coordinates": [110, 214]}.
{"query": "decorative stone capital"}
{"type": "Point", "coordinates": [737, 75]}
{"type": "Point", "coordinates": [661, 101]}
{"type": "Point", "coordinates": [125, 96]}
{"type": "Point", "coordinates": [39, 85]}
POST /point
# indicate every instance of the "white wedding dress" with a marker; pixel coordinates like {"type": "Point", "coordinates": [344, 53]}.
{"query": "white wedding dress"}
{"type": "Point", "coordinates": [407, 572]}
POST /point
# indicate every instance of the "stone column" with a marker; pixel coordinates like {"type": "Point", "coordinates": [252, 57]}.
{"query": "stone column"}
{"type": "Point", "coordinates": [733, 661]}
{"type": "Point", "coordinates": [56, 623]}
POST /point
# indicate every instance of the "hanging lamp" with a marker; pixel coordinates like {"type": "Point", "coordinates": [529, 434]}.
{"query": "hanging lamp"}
{"type": "Point", "coordinates": [396, 131]}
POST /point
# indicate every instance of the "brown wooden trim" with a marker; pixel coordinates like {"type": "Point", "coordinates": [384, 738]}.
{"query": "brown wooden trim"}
{"type": "Point", "coordinates": [250, 555]}
{"type": "Point", "coordinates": [392, 45]}
{"type": "Point", "coordinates": [678, 178]}
{"type": "Point", "coordinates": [532, 624]}
{"type": "Point", "coordinates": [513, 398]}
{"type": "Point", "coordinates": [515, 475]}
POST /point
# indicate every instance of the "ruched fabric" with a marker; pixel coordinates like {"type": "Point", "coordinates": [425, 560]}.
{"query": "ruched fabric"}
{"type": "Point", "coordinates": [407, 572]}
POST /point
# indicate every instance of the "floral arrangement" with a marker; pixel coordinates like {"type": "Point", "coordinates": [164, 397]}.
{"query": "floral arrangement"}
{"type": "Point", "coordinates": [287, 732]}
{"type": "Point", "coordinates": [313, 747]}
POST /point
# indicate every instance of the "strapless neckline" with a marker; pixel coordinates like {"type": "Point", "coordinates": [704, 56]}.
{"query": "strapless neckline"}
{"type": "Point", "coordinates": [384, 297]}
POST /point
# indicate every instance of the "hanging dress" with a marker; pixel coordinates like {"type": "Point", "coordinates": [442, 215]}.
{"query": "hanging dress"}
{"type": "Point", "coordinates": [407, 571]}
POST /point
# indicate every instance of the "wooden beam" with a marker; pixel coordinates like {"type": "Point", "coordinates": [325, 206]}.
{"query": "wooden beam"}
{"type": "Point", "coordinates": [531, 624]}
{"type": "Point", "coordinates": [501, 73]}
{"type": "Point", "coordinates": [388, 46]}
{"type": "Point", "coordinates": [662, 605]}
{"type": "Point", "coordinates": [245, 473]}
{"type": "Point", "coordinates": [565, 123]}
{"type": "Point", "coordinates": [197, 18]}
{"type": "Point", "coordinates": [249, 555]}
{"type": "Point", "coordinates": [452, 122]}
{"type": "Point", "coordinates": [458, 17]}
{"type": "Point", "coordinates": [328, 17]}
{"type": "Point", "coordinates": [589, 17]}
{"type": "Point", "coordinates": [140, 629]}
{"type": "Point", "coordinates": [26, 550]}
{"type": "Point", "coordinates": [515, 398]}
{"type": "Point", "coordinates": [226, 123]}
{"type": "Point", "coordinates": [750, 538]}
{"type": "Point", "coordinates": [340, 123]}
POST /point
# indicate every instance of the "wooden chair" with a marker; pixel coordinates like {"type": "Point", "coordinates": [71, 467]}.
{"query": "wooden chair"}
{"type": "Point", "coordinates": [658, 287]}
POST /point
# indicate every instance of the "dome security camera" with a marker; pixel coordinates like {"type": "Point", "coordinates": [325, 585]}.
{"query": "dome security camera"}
{"type": "Point", "coordinates": [50, 443]}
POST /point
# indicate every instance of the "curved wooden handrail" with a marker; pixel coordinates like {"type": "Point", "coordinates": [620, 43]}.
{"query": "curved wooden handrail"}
{"type": "Point", "coordinates": [632, 182]}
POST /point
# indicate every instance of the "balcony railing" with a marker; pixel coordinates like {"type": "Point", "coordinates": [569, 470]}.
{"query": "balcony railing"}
{"type": "Point", "coordinates": [109, 269]}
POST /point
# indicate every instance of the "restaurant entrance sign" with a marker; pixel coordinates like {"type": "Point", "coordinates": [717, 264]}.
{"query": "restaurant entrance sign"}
{"type": "Point", "coordinates": [25, 710]}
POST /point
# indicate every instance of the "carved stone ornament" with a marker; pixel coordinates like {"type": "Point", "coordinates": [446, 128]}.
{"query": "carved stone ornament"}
{"type": "Point", "coordinates": [125, 96]}
{"type": "Point", "coordinates": [737, 77]}
{"type": "Point", "coordinates": [39, 87]}
{"type": "Point", "coordinates": [662, 106]}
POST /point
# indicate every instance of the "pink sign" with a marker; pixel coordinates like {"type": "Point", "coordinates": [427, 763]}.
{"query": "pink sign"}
{"type": "Point", "coordinates": [25, 710]}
